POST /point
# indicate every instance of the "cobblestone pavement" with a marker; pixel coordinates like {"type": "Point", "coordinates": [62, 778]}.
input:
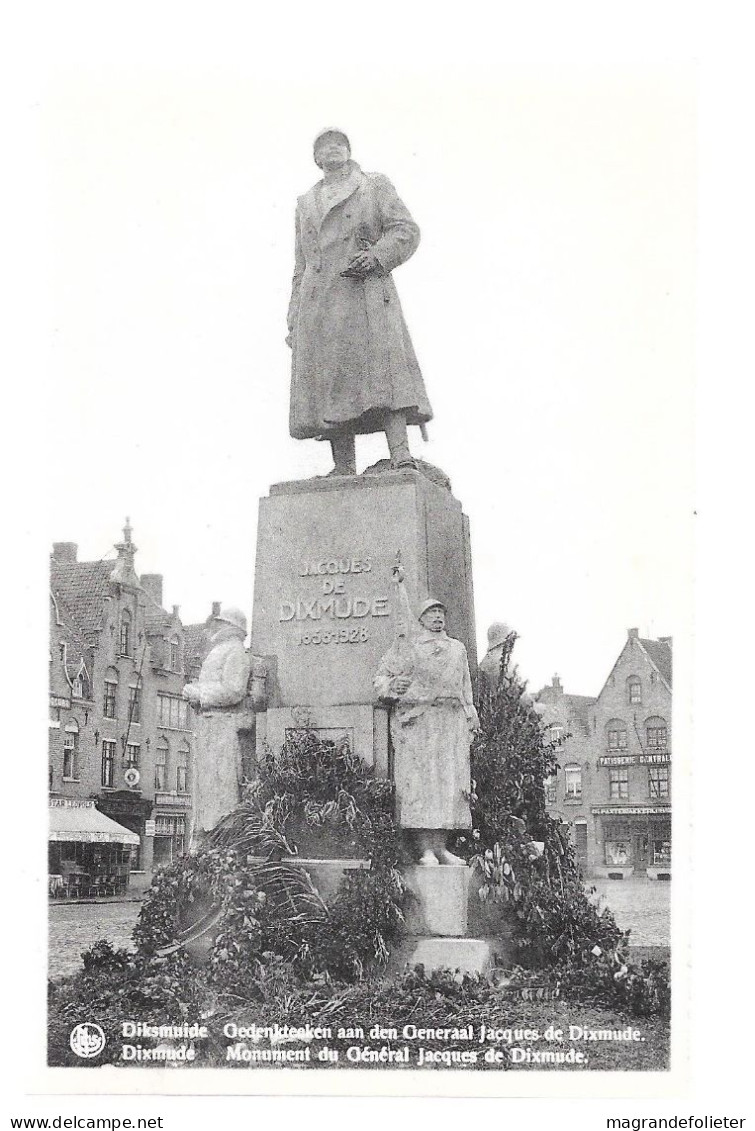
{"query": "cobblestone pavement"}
{"type": "Point", "coordinates": [73, 927]}
{"type": "Point", "coordinates": [642, 906]}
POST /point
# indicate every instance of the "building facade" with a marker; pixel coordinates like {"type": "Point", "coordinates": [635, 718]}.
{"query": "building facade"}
{"type": "Point", "coordinates": [613, 785]}
{"type": "Point", "coordinates": [120, 731]}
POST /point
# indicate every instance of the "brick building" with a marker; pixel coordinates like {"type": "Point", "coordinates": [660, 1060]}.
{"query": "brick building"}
{"type": "Point", "coordinates": [614, 779]}
{"type": "Point", "coordinates": [567, 793]}
{"type": "Point", "coordinates": [120, 732]}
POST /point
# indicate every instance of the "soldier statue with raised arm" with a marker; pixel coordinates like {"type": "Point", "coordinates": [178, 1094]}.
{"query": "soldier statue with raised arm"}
{"type": "Point", "coordinates": [425, 677]}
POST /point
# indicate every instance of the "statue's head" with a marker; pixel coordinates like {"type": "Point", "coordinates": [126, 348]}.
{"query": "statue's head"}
{"type": "Point", "coordinates": [432, 615]}
{"type": "Point", "coordinates": [229, 617]}
{"type": "Point", "coordinates": [331, 148]}
{"type": "Point", "coordinates": [497, 634]}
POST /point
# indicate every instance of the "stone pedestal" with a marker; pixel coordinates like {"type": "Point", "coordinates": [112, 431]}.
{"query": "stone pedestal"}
{"type": "Point", "coordinates": [438, 899]}
{"type": "Point", "coordinates": [324, 616]}
{"type": "Point", "coordinates": [470, 956]}
{"type": "Point", "coordinates": [444, 906]}
{"type": "Point", "coordinates": [324, 599]}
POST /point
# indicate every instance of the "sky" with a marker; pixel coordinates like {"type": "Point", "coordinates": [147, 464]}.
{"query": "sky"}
{"type": "Point", "coordinates": [550, 304]}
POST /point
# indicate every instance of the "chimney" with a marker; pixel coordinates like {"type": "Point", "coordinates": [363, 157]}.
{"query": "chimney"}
{"type": "Point", "coordinates": [65, 552]}
{"type": "Point", "coordinates": [175, 610]}
{"type": "Point", "coordinates": [633, 633]}
{"type": "Point", "coordinates": [215, 609]}
{"type": "Point", "coordinates": [666, 640]}
{"type": "Point", "coordinates": [152, 583]}
{"type": "Point", "coordinates": [557, 684]}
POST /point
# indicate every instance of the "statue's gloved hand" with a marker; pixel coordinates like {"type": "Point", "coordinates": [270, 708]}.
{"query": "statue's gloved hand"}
{"type": "Point", "coordinates": [366, 263]}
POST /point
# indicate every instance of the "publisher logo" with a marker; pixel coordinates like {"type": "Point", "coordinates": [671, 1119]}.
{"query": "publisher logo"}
{"type": "Point", "coordinates": [87, 1039]}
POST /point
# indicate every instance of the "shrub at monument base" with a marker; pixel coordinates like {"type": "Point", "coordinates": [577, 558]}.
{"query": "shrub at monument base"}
{"type": "Point", "coordinates": [117, 985]}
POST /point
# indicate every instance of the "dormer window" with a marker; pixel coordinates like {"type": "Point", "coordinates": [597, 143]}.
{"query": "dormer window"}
{"type": "Point", "coordinates": [81, 686]}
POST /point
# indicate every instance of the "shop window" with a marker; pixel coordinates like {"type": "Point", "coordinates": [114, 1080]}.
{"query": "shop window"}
{"type": "Point", "coordinates": [161, 765]}
{"type": "Point", "coordinates": [658, 782]}
{"type": "Point", "coordinates": [618, 852]}
{"type": "Point", "coordinates": [182, 770]}
{"type": "Point", "coordinates": [634, 689]}
{"type": "Point", "coordinates": [135, 702]}
{"type": "Point", "coordinates": [572, 783]}
{"type": "Point", "coordinates": [108, 764]}
{"type": "Point", "coordinates": [618, 783]}
{"type": "Point", "coordinates": [124, 638]}
{"type": "Point", "coordinates": [661, 854]}
{"type": "Point", "coordinates": [111, 691]}
{"type": "Point", "coordinates": [550, 790]}
{"type": "Point", "coordinates": [71, 752]}
{"type": "Point", "coordinates": [617, 738]}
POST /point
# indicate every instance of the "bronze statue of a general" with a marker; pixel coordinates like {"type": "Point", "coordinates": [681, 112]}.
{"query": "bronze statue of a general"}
{"type": "Point", "coordinates": [353, 366]}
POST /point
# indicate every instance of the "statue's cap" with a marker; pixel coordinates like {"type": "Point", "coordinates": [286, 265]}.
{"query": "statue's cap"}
{"type": "Point", "coordinates": [231, 615]}
{"type": "Point", "coordinates": [497, 633]}
{"type": "Point", "coordinates": [431, 603]}
{"type": "Point", "coordinates": [327, 133]}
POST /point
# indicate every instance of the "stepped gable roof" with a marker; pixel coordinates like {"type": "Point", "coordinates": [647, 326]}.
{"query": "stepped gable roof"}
{"type": "Point", "coordinates": [77, 649]}
{"type": "Point", "coordinates": [195, 640]}
{"type": "Point", "coordinates": [81, 588]}
{"type": "Point", "coordinates": [155, 617]}
{"type": "Point", "coordinates": [660, 655]}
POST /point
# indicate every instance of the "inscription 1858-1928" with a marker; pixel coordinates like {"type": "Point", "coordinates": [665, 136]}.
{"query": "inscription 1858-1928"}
{"type": "Point", "coordinates": [333, 603]}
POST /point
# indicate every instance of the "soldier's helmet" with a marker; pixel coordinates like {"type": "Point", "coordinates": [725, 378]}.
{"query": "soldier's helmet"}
{"type": "Point", "coordinates": [430, 603]}
{"type": "Point", "coordinates": [497, 633]}
{"type": "Point", "coordinates": [234, 616]}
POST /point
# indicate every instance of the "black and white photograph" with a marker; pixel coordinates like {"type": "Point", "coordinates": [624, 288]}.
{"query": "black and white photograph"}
{"type": "Point", "coordinates": [369, 556]}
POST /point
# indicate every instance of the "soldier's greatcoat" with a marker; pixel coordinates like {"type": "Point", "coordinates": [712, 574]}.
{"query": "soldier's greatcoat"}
{"type": "Point", "coordinates": [352, 355]}
{"type": "Point", "coordinates": [431, 728]}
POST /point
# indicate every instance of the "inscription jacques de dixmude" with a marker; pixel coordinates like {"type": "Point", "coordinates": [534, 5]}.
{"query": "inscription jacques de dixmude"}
{"type": "Point", "coordinates": [333, 602]}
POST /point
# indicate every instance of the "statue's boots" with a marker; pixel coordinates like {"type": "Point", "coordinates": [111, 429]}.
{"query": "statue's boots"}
{"type": "Point", "coordinates": [428, 857]}
{"type": "Point", "coordinates": [447, 857]}
{"type": "Point", "coordinates": [344, 452]}
{"type": "Point", "coordinates": [398, 440]}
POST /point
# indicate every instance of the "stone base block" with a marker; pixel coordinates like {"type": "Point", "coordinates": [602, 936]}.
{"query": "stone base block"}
{"type": "Point", "coordinates": [470, 956]}
{"type": "Point", "coordinates": [439, 899]}
{"type": "Point", "coordinates": [326, 874]}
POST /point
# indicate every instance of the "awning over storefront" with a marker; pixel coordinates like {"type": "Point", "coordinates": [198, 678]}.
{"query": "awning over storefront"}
{"type": "Point", "coordinates": [81, 821]}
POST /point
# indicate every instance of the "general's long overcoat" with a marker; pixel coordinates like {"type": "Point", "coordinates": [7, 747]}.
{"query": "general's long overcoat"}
{"type": "Point", "coordinates": [352, 355]}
